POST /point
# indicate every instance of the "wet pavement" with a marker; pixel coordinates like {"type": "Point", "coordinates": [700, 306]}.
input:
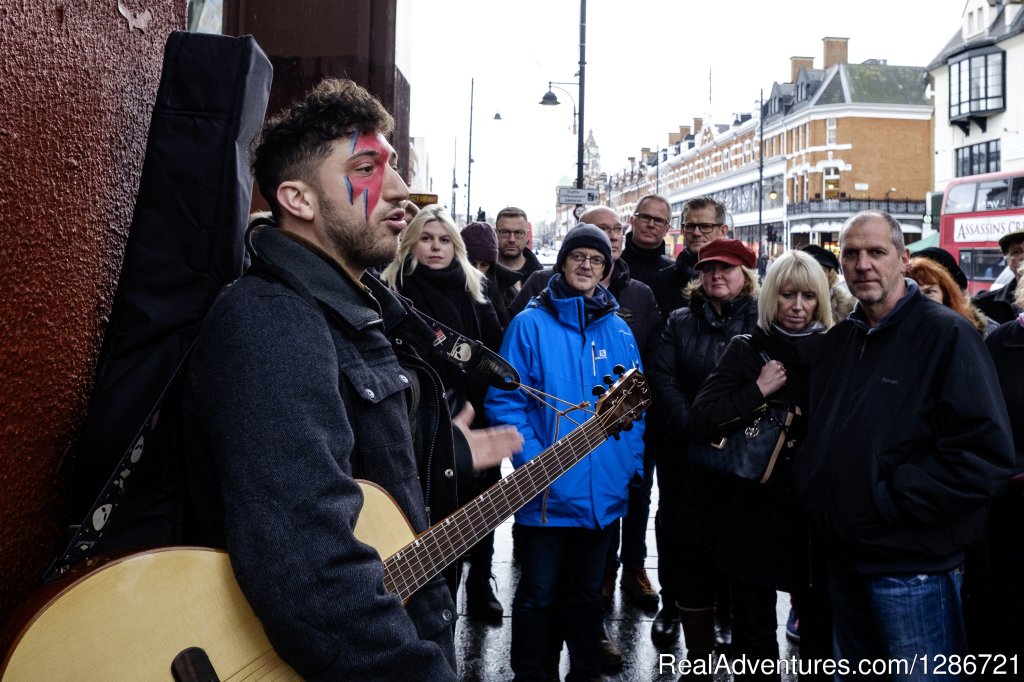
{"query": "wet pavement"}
{"type": "Point", "coordinates": [483, 649]}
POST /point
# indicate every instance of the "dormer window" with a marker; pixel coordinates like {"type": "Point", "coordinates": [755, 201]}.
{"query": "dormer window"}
{"type": "Point", "coordinates": [976, 84]}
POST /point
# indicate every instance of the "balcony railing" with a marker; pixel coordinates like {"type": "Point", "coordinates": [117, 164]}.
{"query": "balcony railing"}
{"type": "Point", "coordinates": [895, 206]}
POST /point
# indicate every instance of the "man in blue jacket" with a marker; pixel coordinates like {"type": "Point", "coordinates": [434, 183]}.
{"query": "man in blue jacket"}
{"type": "Point", "coordinates": [908, 442]}
{"type": "Point", "coordinates": [565, 341]}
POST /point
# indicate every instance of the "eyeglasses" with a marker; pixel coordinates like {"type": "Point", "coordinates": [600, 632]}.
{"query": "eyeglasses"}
{"type": "Point", "coordinates": [505, 234]}
{"type": "Point", "coordinates": [705, 228]}
{"type": "Point", "coordinates": [614, 231]}
{"type": "Point", "coordinates": [580, 259]}
{"type": "Point", "coordinates": [653, 219]}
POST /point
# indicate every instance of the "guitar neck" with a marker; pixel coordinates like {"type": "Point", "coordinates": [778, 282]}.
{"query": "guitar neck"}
{"type": "Point", "coordinates": [415, 564]}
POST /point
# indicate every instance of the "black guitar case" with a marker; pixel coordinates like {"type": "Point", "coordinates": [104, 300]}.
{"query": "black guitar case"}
{"type": "Point", "coordinates": [185, 245]}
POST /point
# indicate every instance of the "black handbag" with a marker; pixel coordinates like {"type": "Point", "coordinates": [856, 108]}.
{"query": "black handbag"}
{"type": "Point", "coordinates": [751, 451]}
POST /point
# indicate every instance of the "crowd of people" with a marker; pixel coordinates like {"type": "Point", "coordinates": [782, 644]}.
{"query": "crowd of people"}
{"type": "Point", "coordinates": [893, 516]}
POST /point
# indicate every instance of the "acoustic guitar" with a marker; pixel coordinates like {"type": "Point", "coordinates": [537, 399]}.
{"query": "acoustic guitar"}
{"type": "Point", "coordinates": [111, 625]}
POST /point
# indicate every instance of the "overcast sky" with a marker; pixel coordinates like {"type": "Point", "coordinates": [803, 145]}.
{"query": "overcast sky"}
{"type": "Point", "coordinates": [647, 73]}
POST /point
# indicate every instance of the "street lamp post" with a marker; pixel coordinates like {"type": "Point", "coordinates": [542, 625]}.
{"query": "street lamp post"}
{"type": "Point", "coordinates": [760, 192]}
{"type": "Point", "coordinates": [549, 98]}
{"type": "Point", "coordinates": [455, 183]}
{"type": "Point", "coordinates": [469, 166]}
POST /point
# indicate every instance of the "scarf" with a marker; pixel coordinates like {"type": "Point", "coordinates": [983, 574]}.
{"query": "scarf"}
{"type": "Point", "coordinates": [442, 295]}
{"type": "Point", "coordinates": [593, 306]}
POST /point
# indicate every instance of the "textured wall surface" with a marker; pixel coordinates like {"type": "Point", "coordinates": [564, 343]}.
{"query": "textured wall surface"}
{"type": "Point", "coordinates": [77, 83]}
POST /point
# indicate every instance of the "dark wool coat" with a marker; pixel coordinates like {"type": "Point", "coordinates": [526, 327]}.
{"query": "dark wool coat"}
{"type": "Point", "coordinates": [909, 439]}
{"type": "Point", "coordinates": [644, 263]}
{"type": "Point", "coordinates": [290, 396]}
{"type": "Point", "coordinates": [763, 536]}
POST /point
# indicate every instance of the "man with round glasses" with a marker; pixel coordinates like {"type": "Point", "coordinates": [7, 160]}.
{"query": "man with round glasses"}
{"type": "Point", "coordinates": [565, 341]}
{"type": "Point", "coordinates": [645, 243]}
{"type": "Point", "coordinates": [513, 229]}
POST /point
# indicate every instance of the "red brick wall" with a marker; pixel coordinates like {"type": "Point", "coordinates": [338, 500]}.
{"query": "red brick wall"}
{"type": "Point", "coordinates": [79, 81]}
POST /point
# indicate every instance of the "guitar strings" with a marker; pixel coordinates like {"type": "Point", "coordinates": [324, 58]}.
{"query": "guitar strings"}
{"type": "Point", "coordinates": [423, 563]}
{"type": "Point", "coordinates": [473, 521]}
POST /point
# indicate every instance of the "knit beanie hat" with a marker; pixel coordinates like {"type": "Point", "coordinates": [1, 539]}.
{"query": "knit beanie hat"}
{"type": "Point", "coordinates": [481, 242]}
{"type": "Point", "coordinates": [585, 236]}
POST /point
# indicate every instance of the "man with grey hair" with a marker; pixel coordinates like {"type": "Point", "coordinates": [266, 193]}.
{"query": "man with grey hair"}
{"type": "Point", "coordinates": [908, 441]}
{"type": "Point", "coordinates": [645, 243]}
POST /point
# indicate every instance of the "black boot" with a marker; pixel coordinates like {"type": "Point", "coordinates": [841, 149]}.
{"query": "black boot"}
{"type": "Point", "coordinates": [665, 628]}
{"type": "Point", "coordinates": [480, 599]}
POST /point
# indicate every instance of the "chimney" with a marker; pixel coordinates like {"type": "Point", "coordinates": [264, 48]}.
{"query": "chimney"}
{"type": "Point", "coordinates": [673, 138]}
{"type": "Point", "coordinates": [698, 123]}
{"type": "Point", "coordinates": [797, 63]}
{"type": "Point", "coordinates": [835, 51]}
{"type": "Point", "coordinates": [684, 131]}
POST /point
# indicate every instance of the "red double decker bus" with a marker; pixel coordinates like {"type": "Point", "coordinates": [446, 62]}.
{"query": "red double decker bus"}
{"type": "Point", "coordinates": [976, 211]}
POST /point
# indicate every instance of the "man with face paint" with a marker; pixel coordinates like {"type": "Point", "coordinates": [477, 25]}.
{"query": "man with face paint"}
{"type": "Point", "coordinates": [303, 378]}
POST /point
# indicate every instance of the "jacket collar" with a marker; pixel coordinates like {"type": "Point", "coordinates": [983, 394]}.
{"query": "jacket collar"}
{"type": "Point", "coordinates": [893, 317]}
{"type": "Point", "coordinates": [573, 310]}
{"type": "Point", "coordinates": [360, 305]}
{"type": "Point", "coordinates": [642, 253]}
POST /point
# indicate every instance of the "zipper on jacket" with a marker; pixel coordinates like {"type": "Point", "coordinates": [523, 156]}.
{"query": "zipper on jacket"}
{"type": "Point", "coordinates": [593, 356]}
{"type": "Point", "coordinates": [863, 345]}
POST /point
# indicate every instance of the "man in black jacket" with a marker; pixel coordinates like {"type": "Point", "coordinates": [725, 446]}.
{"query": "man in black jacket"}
{"type": "Point", "coordinates": [645, 244]}
{"type": "Point", "coordinates": [909, 440]}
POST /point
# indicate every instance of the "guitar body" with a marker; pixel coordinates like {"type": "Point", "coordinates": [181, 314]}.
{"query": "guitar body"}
{"type": "Point", "coordinates": [129, 619]}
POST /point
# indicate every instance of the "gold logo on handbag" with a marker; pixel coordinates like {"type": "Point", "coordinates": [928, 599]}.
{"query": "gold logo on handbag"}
{"type": "Point", "coordinates": [752, 431]}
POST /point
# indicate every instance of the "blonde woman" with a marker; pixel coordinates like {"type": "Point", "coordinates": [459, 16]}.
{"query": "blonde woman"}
{"type": "Point", "coordinates": [762, 538]}
{"type": "Point", "coordinates": [433, 270]}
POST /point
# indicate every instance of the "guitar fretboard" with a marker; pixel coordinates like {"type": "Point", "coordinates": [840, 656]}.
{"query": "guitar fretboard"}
{"type": "Point", "coordinates": [415, 564]}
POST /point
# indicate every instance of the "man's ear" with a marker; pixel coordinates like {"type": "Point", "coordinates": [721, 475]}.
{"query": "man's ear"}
{"type": "Point", "coordinates": [298, 199]}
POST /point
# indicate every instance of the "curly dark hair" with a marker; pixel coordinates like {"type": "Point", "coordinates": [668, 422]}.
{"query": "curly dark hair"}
{"type": "Point", "coordinates": [294, 142]}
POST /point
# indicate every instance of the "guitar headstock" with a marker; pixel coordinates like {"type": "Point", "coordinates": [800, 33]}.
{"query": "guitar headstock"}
{"type": "Point", "coordinates": [624, 402]}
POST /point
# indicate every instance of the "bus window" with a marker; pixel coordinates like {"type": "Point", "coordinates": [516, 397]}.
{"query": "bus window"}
{"type": "Point", "coordinates": [982, 265]}
{"type": "Point", "coordinates": [1017, 193]}
{"type": "Point", "coordinates": [988, 263]}
{"type": "Point", "coordinates": [992, 195]}
{"type": "Point", "coordinates": [960, 198]}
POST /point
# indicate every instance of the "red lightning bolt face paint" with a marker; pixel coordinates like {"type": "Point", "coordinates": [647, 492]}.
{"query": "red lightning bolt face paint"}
{"type": "Point", "coordinates": [365, 178]}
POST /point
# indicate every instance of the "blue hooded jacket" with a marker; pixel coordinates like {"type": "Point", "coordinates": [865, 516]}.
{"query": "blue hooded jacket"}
{"type": "Point", "coordinates": [557, 349]}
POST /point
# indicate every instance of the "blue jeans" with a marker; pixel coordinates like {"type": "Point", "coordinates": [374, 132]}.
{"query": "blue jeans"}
{"type": "Point", "coordinates": [901, 617]}
{"type": "Point", "coordinates": [567, 565]}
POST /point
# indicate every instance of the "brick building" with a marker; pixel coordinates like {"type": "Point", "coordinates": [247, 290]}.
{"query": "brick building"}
{"type": "Point", "coordinates": [836, 140]}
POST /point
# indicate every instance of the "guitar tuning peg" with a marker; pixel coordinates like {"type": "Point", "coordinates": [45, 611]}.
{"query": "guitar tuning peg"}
{"type": "Point", "coordinates": [615, 436]}
{"type": "Point", "coordinates": [619, 369]}
{"type": "Point", "coordinates": [607, 378]}
{"type": "Point", "coordinates": [598, 390]}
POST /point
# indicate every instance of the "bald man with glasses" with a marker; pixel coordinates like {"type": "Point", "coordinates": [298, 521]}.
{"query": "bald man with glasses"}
{"type": "Point", "coordinates": [645, 244]}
